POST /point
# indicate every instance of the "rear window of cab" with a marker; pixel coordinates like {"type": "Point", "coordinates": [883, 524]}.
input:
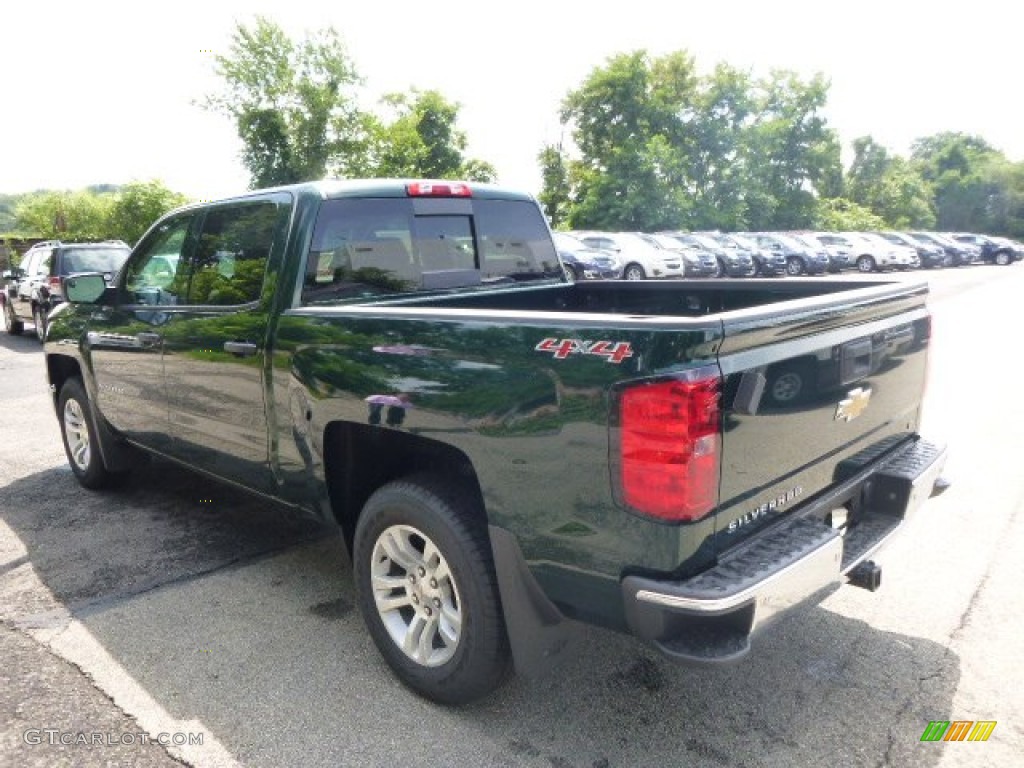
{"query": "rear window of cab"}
{"type": "Point", "coordinates": [371, 246]}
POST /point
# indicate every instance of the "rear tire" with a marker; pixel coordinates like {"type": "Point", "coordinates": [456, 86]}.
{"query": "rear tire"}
{"type": "Point", "coordinates": [80, 441]}
{"type": "Point", "coordinates": [40, 321]}
{"type": "Point", "coordinates": [12, 324]}
{"type": "Point", "coordinates": [427, 590]}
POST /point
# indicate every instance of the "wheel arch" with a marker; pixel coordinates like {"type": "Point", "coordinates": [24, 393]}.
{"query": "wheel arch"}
{"type": "Point", "coordinates": [116, 454]}
{"type": "Point", "coordinates": [629, 264]}
{"type": "Point", "coordinates": [360, 458]}
{"type": "Point", "coordinates": [60, 368]}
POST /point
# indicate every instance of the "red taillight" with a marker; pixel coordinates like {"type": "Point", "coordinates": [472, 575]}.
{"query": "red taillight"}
{"type": "Point", "coordinates": [434, 189]}
{"type": "Point", "coordinates": [670, 448]}
{"type": "Point", "coordinates": [54, 283]}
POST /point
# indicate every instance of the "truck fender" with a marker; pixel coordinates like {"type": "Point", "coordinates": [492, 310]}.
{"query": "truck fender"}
{"type": "Point", "coordinates": [116, 454]}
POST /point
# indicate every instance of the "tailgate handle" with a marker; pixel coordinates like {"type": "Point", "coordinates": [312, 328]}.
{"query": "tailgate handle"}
{"type": "Point", "coordinates": [854, 360]}
{"type": "Point", "coordinates": [240, 348]}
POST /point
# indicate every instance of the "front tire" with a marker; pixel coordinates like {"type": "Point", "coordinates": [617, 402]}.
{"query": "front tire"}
{"type": "Point", "coordinates": [12, 324]}
{"type": "Point", "coordinates": [865, 264]}
{"type": "Point", "coordinates": [1002, 259]}
{"type": "Point", "coordinates": [634, 272]}
{"type": "Point", "coordinates": [795, 266]}
{"type": "Point", "coordinates": [426, 586]}
{"type": "Point", "coordinates": [80, 441]}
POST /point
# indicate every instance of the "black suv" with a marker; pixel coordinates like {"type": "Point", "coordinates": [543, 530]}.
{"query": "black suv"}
{"type": "Point", "coordinates": [35, 288]}
{"type": "Point", "coordinates": [994, 250]}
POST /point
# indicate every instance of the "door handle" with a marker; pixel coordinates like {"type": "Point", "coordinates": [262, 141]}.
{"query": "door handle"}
{"type": "Point", "coordinates": [240, 348]}
{"type": "Point", "coordinates": [148, 339]}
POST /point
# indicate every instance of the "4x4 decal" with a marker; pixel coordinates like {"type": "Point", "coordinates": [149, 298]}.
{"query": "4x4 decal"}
{"type": "Point", "coordinates": [612, 351]}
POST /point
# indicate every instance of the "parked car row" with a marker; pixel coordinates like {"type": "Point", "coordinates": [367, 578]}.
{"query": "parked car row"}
{"type": "Point", "coordinates": [642, 255]}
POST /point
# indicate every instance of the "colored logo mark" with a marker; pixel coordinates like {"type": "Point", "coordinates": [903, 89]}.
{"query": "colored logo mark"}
{"type": "Point", "coordinates": [958, 730]}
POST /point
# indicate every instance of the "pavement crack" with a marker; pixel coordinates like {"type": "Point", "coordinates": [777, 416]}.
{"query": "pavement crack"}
{"type": "Point", "coordinates": [972, 604]}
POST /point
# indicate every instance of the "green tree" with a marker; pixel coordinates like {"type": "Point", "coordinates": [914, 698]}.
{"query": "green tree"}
{"type": "Point", "coordinates": [837, 214]}
{"type": "Point", "coordinates": [870, 163]}
{"type": "Point", "coordinates": [292, 102]}
{"type": "Point", "coordinates": [904, 199]}
{"type": "Point", "coordinates": [631, 169]}
{"type": "Point", "coordinates": [791, 154]}
{"type": "Point", "coordinates": [422, 140]}
{"type": "Point", "coordinates": [7, 206]}
{"type": "Point", "coordinates": [660, 147]}
{"type": "Point", "coordinates": [1006, 206]}
{"type": "Point", "coordinates": [716, 128]}
{"type": "Point", "coordinates": [72, 216]}
{"type": "Point", "coordinates": [555, 190]}
{"type": "Point", "coordinates": [963, 172]}
{"type": "Point", "coordinates": [138, 205]}
{"type": "Point", "coordinates": [890, 186]}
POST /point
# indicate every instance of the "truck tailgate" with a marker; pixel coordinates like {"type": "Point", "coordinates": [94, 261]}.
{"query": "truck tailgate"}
{"type": "Point", "coordinates": [810, 390]}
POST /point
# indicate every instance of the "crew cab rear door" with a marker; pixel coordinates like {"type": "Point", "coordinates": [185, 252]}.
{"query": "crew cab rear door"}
{"type": "Point", "coordinates": [215, 345]}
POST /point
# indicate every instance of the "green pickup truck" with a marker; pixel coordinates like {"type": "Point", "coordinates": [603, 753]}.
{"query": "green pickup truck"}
{"type": "Point", "coordinates": [507, 454]}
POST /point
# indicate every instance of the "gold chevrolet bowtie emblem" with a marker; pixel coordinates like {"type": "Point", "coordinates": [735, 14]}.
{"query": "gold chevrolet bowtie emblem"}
{"type": "Point", "coordinates": [855, 403]}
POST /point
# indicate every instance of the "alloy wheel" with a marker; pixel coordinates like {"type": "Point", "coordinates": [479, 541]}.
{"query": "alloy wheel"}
{"type": "Point", "coordinates": [416, 596]}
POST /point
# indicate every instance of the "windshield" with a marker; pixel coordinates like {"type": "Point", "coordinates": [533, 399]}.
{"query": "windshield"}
{"type": "Point", "coordinates": [706, 242]}
{"type": "Point", "coordinates": [808, 241]}
{"type": "Point", "coordinates": [743, 242]}
{"type": "Point", "coordinates": [667, 242]}
{"type": "Point", "coordinates": [790, 242]}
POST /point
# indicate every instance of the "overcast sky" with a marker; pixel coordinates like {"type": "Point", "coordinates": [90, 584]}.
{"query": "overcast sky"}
{"type": "Point", "coordinates": [102, 92]}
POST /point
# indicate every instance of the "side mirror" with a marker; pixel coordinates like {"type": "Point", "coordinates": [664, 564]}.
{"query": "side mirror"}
{"type": "Point", "coordinates": [84, 289]}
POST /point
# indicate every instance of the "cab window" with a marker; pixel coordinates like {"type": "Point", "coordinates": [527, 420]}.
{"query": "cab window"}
{"type": "Point", "coordinates": [231, 254]}
{"type": "Point", "coordinates": [372, 246]}
{"type": "Point", "coordinates": [156, 274]}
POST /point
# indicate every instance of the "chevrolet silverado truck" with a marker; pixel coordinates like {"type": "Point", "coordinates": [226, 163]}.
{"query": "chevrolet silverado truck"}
{"type": "Point", "coordinates": [508, 454]}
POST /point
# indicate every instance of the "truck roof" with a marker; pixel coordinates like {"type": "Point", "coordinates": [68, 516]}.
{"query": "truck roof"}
{"type": "Point", "coordinates": [327, 189]}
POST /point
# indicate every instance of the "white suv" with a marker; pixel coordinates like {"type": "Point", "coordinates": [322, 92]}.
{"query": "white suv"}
{"type": "Point", "coordinates": [639, 259]}
{"type": "Point", "coordinates": [871, 253]}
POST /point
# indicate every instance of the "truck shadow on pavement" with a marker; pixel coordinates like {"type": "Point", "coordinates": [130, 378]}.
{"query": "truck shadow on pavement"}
{"type": "Point", "coordinates": [26, 343]}
{"type": "Point", "coordinates": [233, 613]}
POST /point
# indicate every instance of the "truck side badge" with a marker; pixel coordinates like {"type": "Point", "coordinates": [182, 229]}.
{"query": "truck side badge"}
{"type": "Point", "coordinates": [853, 405]}
{"type": "Point", "coordinates": [612, 351]}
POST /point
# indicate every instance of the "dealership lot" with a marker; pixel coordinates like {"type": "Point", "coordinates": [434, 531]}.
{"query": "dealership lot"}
{"type": "Point", "coordinates": [193, 609]}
